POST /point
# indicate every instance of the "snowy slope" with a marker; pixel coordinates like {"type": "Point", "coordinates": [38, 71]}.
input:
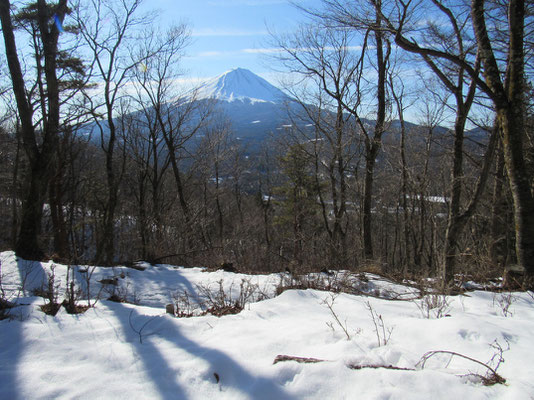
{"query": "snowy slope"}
{"type": "Point", "coordinates": [124, 351]}
{"type": "Point", "coordinates": [243, 85]}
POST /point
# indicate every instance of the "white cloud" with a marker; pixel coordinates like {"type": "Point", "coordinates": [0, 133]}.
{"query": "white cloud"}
{"type": "Point", "coordinates": [233, 53]}
{"type": "Point", "coordinates": [279, 50]}
{"type": "Point", "coordinates": [227, 32]}
{"type": "Point", "coordinates": [265, 50]}
{"type": "Point", "coordinates": [253, 3]}
{"type": "Point", "coordinates": [262, 51]}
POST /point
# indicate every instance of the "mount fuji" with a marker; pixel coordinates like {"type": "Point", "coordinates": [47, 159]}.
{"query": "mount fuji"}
{"type": "Point", "coordinates": [258, 109]}
{"type": "Point", "coordinates": [255, 108]}
{"type": "Point", "coordinates": [241, 85]}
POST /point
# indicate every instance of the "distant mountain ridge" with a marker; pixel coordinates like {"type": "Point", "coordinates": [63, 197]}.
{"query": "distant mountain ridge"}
{"type": "Point", "coordinates": [257, 110]}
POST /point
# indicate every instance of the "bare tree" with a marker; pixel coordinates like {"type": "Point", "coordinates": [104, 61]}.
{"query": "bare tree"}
{"type": "Point", "coordinates": [39, 137]}
{"type": "Point", "coordinates": [503, 82]}
{"type": "Point", "coordinates": [452, 36]}
{"type": "Point", "coordinates": [324, 57]}
{"type": "Point", "coordinates": [106, 27]}
{"type": "Point", "coordinates": [344, 78]}
{"type": "Point", "coordinates": [176, 115]}
{"type": "Point", "coordinates": [155, 87]}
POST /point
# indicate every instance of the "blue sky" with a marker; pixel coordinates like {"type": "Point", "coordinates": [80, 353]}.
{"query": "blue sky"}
{"type": "Point", "coordinates": [229, 33]}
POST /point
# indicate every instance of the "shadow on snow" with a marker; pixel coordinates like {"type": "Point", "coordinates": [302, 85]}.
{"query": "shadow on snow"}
{"type": "Point", "coordinates": [231, 374]}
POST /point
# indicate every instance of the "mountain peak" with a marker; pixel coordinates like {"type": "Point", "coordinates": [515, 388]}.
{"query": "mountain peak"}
{"type": "Point", "coordinates": [243, 85]}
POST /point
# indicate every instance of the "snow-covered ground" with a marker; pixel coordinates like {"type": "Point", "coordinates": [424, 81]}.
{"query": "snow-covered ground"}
{"type": "Point", "coordinates": [126, 351]}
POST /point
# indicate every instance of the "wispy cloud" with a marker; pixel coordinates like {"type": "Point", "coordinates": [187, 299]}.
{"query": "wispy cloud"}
{"type": "Point", "coordinates": [253, 3]}
{"type": "Point", "coordinates": [234, 53]}
{"type": "Point", "coordinates": [274, 50]}
{"type": "Point", "coordinates": [271, 50]}
{"type": "Point", "coordinates": [265, 50]}
{"type": "Point", "coordinates": [227, 32]}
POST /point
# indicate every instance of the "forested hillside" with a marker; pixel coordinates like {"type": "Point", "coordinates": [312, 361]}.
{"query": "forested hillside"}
{"type": "Point", "coordinates": [401, 144]}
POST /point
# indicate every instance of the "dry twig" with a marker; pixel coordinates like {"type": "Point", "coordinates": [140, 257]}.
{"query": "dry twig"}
{"type": "Point", "coordinates": [491, 378]}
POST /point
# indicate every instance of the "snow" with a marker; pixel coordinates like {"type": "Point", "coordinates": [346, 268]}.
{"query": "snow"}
{"type": "Point", "coordinates": [240, 84]}
{"type": "Point", "coordinates": [431, 199]}
{"type": "Point", "coordinates": [126, 351]}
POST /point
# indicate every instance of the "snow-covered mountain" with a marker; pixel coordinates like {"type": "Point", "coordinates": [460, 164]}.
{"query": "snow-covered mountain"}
{"type": "Point", "coordinates": [255, 108]}
{"type": "Point", "coordinates": [240, 84]}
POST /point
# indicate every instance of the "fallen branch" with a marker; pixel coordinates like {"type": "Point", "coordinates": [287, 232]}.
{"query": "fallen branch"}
{"type": "Point", "coordinates": [393, 367]}
{"type": "Point", "coordinates": [302, 360]}
{"type": "Point", "coordinates": [491, 378]}
{"type": "Point", "coordinates": [308, 360]}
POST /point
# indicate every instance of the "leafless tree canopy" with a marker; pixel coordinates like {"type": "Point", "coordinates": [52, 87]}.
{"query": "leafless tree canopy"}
{"type": "Point", "coordinates": [408, 148]}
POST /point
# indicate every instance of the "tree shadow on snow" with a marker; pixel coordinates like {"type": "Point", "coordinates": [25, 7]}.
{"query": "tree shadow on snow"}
{"type": "Point", "coordinates": [11, 350]}
{"type": "Point", "coordinates": [31, 276]}
{"type": "Point", "coordinates": [154, 362]}
{"type": "Point", "coordinates": [138, 327]}
{"type": "Point", "coordinates": [162, 279]}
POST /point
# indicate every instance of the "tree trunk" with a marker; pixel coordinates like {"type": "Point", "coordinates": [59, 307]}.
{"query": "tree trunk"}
{"type": "Point", "coordinates": [509, 100]}
{"type": "Point", "coordinates": [367, 207]}
{"type": "Point", "coordinates": [106, 245]}
{"type": "Point", "coordinates": [220, 218]}
{"type": "Point", "coordinates": [520, 185]}
{"type": "Point", "coordinates": [499, 245]}
{"type": "Point", "coordinates": [14, 196]}
{"type": "Point", "coordinates": [373, 145]}
{"type": "Point", "coordinates": [144, 235]}
{"type": "Point", "coordinates": [40, 152]}
{"type": "Point", "coordinates": [27, 245]}
{"type": "Point", "coordinates": [455, 223]}
{"type": "Point", "coordinates": [61, 242]}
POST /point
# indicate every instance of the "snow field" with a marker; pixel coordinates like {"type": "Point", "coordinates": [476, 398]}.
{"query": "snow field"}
{"type": "Point", "coordinates": [125, 351]}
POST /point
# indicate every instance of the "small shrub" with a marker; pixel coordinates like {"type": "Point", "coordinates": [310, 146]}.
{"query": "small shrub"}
{"type": "Point", "coordinates": [117, 292]}
{"type": "Point", "coordinates": [185, 305]}
{"type": "Point", "coordinates": [329, 303]}
{"type": "Point", "coordinates": [219, 311]}
{"type": "Point", "coordinates": [116, 298]}
{"type": "Point", "coordinates": [5, 308]}
{"type": "Point", "coordinates": [50, 294]}
{"type": "Point", "coordinates": [328, 282]}
{"type": "Point", "coordinates": [72, 295]}
{"type": "Point", "coordinates": [5, 304]}
{"type": "Point", "coordinates": [76, 308]}
{"type": "Point", "coordinates": [433, 305]}
{"type": "Point", "coordinates": [383, 333]}
{"type": "Point", "coordinates": [217, 301]}
{"type": "Point", "coordinates": [50, 308]}
{"type": "Point", "coordinates": [503, 301]}
{"type": "Point", "coordinates": [491, 377]}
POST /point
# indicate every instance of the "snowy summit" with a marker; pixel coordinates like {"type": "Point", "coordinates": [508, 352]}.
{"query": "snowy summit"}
{"type": "Point", "coordinates": [241, 84]}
